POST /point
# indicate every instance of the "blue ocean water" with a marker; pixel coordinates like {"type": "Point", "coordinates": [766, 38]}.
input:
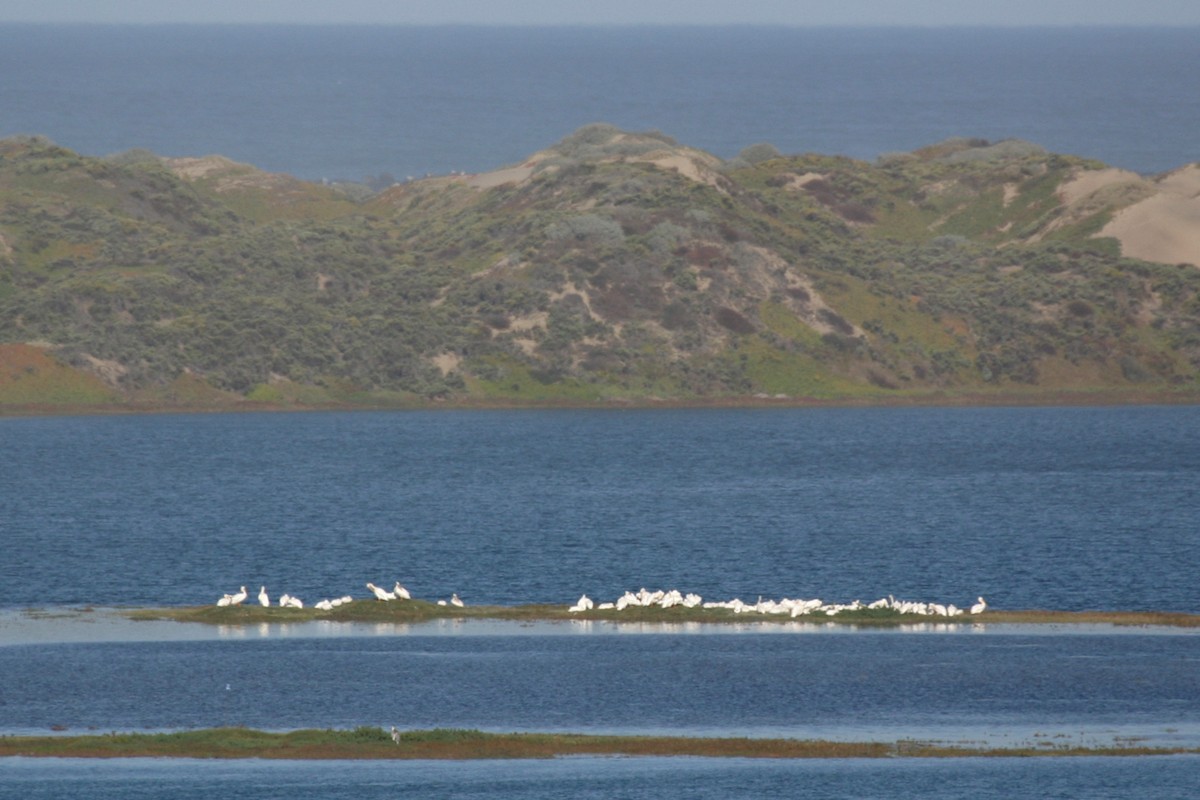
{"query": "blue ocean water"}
{"type": "Point", "coordinates": [347, 102]}
{"type": "Point", "coordinates": [1067, 508]}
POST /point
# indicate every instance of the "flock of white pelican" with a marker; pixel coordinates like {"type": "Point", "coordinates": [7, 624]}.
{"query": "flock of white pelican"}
{"type": "Point", "coordinates": [397, 592]}
{"type": "Point", "coordinates": [794, 608]}
{"type": "Point", "coordinates": [643, 598]}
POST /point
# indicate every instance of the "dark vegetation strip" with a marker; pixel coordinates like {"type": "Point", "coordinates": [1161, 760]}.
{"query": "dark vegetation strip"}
{"type": "Point", "coordinates": [414, 611]}
{"type": "Point", "coordinates": [376, 743]}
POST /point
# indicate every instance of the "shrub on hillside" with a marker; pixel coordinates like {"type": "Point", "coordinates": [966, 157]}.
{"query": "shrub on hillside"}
{"type": "Point", "coordinates": [591, 228]}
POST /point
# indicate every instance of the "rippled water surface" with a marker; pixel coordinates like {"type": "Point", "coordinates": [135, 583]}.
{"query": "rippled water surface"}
{"type": "Point", "coordinates": [1071, 508]}
{"type": "Point", "coordinates": [346, 102]}
{"type": "Point", "coordinates": [1173, 778]}
{"type": "Point", "coordinates": [1063, 508]}
{"type": "Point", "coordinates": [997, 687]}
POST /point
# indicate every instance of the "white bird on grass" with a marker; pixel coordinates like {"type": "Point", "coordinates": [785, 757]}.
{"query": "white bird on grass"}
{"type": "Point", "coordinates": [395, 735]}
{"type": "Point", "coordinates": [454, 601]}
{"type": "Point", "coordinates": [584, 604]}
{"type": "Point", "coordinates": [238, 598]}
{"type": "Point", "coordinates": [263, 599]}
{"type": "Point", "coordinates": [225, 600]}
{"type": "Point", "coordinates": [979, 607]}
{"type": "Point", "coordinates": [295, 602]}
{"type": "Point", "coordinates": [400, 592]}
{"type": "Point", "coordinates": [381, 594]}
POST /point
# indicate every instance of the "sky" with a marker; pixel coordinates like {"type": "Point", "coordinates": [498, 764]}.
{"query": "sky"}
{"type": "Point", "coordinates": [612, 12]}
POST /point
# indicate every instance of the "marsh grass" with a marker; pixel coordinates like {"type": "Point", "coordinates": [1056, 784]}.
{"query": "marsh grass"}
{"type": "Point", "coordinates": [451, 743]}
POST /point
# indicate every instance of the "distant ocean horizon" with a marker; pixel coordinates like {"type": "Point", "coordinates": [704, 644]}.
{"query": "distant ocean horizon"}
{"type": "Point", "coordinates": [355, 101]}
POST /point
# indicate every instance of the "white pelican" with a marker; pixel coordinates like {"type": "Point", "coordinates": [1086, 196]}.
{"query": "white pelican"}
{"type": "Point", "coordinates": [238, 598]}
{"type": "Point", "coordinates": [454, 601]}
{"type": "Point", "coordinates": [979, 607]}
{"type": "Point", "coordinates": [225, 600]}
{"type": "Point", "coordinates": [584, 604]}
{"type": "Point", "coordinates": [380, 594]}
{"type": "Point", "coordinates": [441, 602]}
{"type": "Point", "coordinates": [323, 605]}
{"type": "Point", "coordinates": [263, 599]}
{"type": "Point", "coordinates": [284, 600]}
{"type": "Point", "coordinates": [295, 602]}
{"type": "Point", "coordinates": [400, 592]}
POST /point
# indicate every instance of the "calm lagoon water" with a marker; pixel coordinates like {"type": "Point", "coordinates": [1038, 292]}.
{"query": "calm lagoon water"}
{"type": "Point", "coordinates": [995, 687]}
{"type": "Point", "coordinates": [628, 778]}
{"type": "Point", "coordinates": [1070, 508]}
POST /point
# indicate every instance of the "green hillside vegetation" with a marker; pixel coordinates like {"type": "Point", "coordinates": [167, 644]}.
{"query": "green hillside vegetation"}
{"type": "Point", "coordinates": [611, 267]}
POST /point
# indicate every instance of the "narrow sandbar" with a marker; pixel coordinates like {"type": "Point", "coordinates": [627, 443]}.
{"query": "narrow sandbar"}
{"type": "Point", "coordinates": [376, 743]}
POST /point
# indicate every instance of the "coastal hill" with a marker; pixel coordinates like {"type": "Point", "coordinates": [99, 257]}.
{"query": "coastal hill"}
{"type": "Point", "coordinates": [611, 267]}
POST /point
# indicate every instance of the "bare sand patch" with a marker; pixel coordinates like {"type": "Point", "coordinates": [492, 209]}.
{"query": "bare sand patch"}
{"type": "Point", "coordinates": [1088, 182]}
{"type": "Point", "coordinates": [107, 370]}
{"type": "Point", "coordinates": [228, 175]}
{"type": "Point", "coordinates": [1089, 192]}
{"type": "Point", "coordinates": [694, 166]}
{"type": "Point", "coordinates": [797, 182]}
{"type": "Point", "coordinates": [528, 346]}
{"type": "Point", "coordinates": [196, 168]}
{"type": "Point", "coordinates": [529, 322]}
{"type": "Point", "coordinates": [447, 362]}
{"type": "Point", "coordinates": [500, 177]}
{"type": "Point", "coordinates": [1164, 227]}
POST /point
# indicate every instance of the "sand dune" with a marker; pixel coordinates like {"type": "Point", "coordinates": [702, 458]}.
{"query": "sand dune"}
{"type": "Point", "coordinates": [1164, 227]}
